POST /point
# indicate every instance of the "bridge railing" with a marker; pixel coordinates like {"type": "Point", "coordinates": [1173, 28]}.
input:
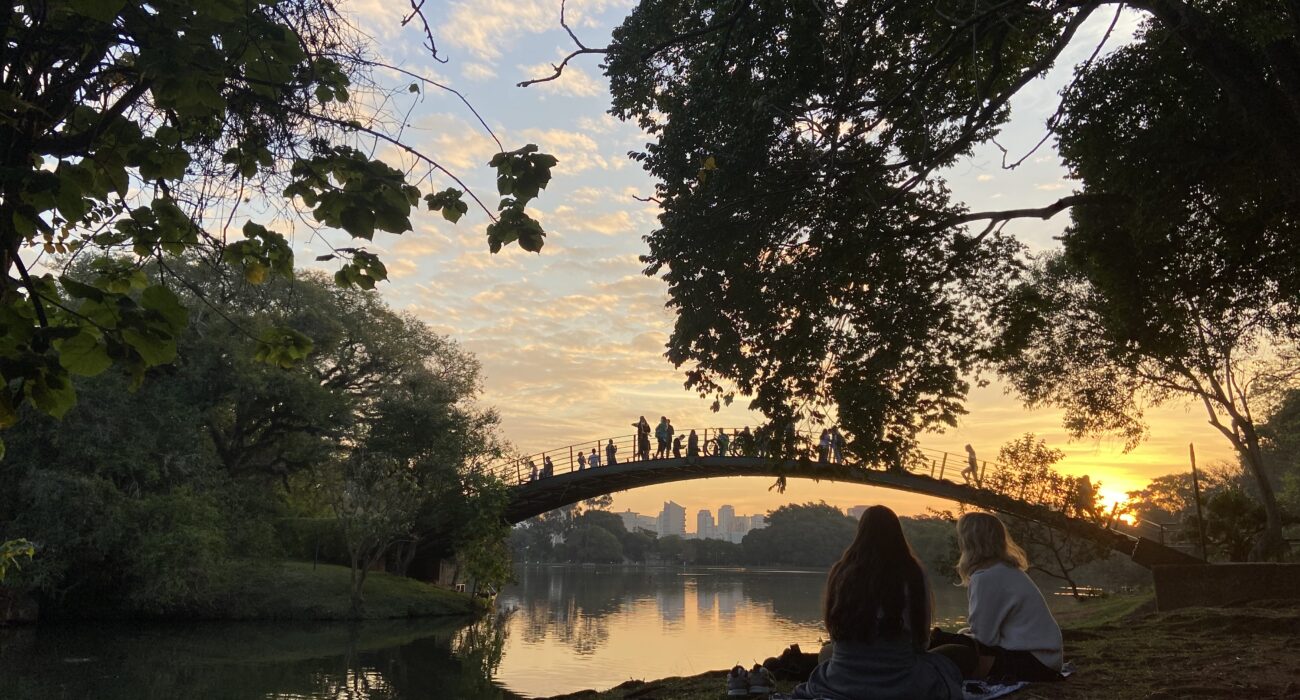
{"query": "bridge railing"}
{"type": "Point", "coordinates": [936, 464]}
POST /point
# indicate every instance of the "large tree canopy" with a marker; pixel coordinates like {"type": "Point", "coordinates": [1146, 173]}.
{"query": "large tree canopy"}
{"type": "Point", "coordinates": [142, 127]}
{"type": "Point", "coordinates": [818, 263]}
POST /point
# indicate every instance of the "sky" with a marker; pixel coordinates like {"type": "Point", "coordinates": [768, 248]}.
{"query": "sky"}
{"type": "Point", "coordinates": [572, 339]}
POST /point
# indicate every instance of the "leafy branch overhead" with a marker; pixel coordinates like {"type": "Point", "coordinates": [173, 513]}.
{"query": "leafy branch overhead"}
{"type": "Point", "coordinates": [194, 127]}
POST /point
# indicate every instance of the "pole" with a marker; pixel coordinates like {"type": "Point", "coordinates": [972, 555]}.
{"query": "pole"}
{"type": "Point", "coordinates": [1196, 493]}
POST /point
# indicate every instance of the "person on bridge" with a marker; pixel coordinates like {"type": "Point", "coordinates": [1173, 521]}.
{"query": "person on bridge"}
{"type": "Point", "coordinates": [1011, 629]}
{"type": "Point", "coordinates": [1085, 498]}
{"type": "Point", "coordinates": [582, 460]}
{"type": "Point", "coordinates": [877, 610]}
{"type": "Point", "coordinates": [722, 443]}
{"type": "Point", "coordinates": [532, 469]}
{"type": "Point", "coordinates": [972, 471]}
{"type": "Point", "coordinates": [837, 445]}
{"type": "Point", "coordinates": [548, 467]}
{"type": "Point", "coordinates": [610, 450]}
{"type": "Point", "coordinates": [677, 447]}
{"type": "Point", "coordinates": [663, 437]}
{"type": "Point", "coordinates": [824, 446]}
{"type": "Point", "coordinates": [642, 451]}
{"type": "Point", "coordinates": [693, 445]}
{"type": "Point", "coordinates": [593, 461]}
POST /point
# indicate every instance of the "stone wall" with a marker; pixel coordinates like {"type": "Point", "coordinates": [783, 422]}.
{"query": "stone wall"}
{"type": "Point", "coordinates": [1180, 586]}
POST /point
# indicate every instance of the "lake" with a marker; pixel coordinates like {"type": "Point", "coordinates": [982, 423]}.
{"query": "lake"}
{"type": "Point", "coordinates": [557, 630]}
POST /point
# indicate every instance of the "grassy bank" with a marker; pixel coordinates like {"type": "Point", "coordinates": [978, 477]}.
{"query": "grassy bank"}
{"type": "Point", "coordinates": [1122, 650]}
{"type": "Point", "coordinates": [301, 591]}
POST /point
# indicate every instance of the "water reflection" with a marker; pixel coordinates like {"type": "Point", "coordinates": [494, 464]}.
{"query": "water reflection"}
{"type": "Point", "coordinates": [372, 661]}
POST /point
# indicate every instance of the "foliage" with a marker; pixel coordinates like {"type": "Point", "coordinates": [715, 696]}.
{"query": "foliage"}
{"type": "Point", "coordinates": [1280, 436]}
{"type": "Point", "coordinates": [12, 552]}
{"type": "Point", "coordinates": [852, 286]}
{"type": "Point", "coordinates": [125, 124]}
{"type": "Point", "coordinates": [1056, 553]}
{"type": "Point", "coordinates": [808, 534]}
{"type": "Point", "coordinates": [592, 543]}
{"type": "Point", "coordinates": [142, 501]}
{"type": "Point", "coordinates": [1233, 521]}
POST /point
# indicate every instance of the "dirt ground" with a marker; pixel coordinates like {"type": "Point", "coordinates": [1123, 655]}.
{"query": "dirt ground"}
{"type": "Point", "coordinates": [1123, 650]}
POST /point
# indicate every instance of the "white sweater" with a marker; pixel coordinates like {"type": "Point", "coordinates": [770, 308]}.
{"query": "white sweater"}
{"type": "Point", "coordinates": [1007, 610]}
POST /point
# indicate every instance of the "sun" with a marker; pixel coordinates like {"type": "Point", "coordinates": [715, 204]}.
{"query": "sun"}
{"type": "Point", "coordinates": [1115, 501]}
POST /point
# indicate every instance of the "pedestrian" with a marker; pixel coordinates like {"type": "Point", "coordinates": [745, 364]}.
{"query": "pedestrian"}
{"type": "Point", "coordinates": [972, 471]}
{"type": "Point", "coordinates": [693, 445]}
{"type": "Point", "coordinates": [723, 442]}
{"type": "Point", "coordinates": [677, 447]}
{"type": "Point", "coordinates": [745, 441]}
{"type": "Point", "coordinates": [837, 445]}
{"type": "Point", "coordinates": [824, 446]}
{"type": "Point", "coordinates": [548, 467]}
{"type": "Point", "coordinates": [663, 436]}
{"type": "Point", "coordinates": [1085, 498]}
{"type": "Point", "coordinates": [642, 450]}
{"type": "Point", "coordinates": [593, 460]}
{"type": "Point", "coordinates": [610, 450]}
{"type": "Point", "coordinates": [532, 469]}
{"type": "Point", "coordinates": [582, 460]}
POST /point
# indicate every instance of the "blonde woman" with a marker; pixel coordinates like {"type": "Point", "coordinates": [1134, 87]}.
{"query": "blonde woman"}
{"type": "Point", "coordinates": [1011, 629]}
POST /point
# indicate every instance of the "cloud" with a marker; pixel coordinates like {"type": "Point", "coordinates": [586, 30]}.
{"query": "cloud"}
{"type": "Point", "coordinates": [575, 151]}
{"type": "Point", "coordinates": [1052, 186]}
{"type": "Point", "coordinates": [478, 71]}
{"type": "Point", "coordinates": [487, 28]}
{"type": "Point", "coordinates": [984, 178]}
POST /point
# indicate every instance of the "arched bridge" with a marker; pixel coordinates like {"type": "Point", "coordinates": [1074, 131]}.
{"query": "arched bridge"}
{"type": "Point", "coordinates": [538, 488]}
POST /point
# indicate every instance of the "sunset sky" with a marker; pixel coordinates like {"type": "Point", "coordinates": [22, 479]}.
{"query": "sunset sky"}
{"type": "Point", "coordinates": [572, 340]}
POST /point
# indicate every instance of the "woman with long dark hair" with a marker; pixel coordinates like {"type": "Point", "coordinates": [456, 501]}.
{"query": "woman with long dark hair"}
{"type": "Point", "coordinates": [877, 611]}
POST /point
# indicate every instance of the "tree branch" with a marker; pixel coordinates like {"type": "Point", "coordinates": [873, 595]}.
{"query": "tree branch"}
{"type": "Point", "coordinates": [559, 69]}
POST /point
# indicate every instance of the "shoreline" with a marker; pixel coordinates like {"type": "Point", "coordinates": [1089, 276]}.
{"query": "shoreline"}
{"type": "Point", "coordinates": [1122, 649]}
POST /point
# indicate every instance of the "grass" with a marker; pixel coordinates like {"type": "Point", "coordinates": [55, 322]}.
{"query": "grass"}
{"type": "Point", "coordinates": [1122, 650]}
{"type": "Point", "coordinates": [302, 591]}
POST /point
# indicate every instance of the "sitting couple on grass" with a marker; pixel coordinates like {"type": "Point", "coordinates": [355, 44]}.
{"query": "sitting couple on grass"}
{"type": "Point", "coordinates": [878, 612]}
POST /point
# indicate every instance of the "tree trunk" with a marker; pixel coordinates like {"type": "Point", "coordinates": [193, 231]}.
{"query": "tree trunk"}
{"type": "Point", "coordinates": [1270, 545]}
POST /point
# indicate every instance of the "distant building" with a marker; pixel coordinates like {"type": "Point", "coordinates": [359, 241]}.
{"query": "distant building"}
{"type": "Point", "coordinates": [636, 521]}
{"type": "Point", "coordinates": [672, 520]}
{"type": "Point", "coordinates": [726, 519]}
{"type": "Point", "coordinates": [704, 527]}
{"type": "Point", "coordinates": [757, 522]}
{"type": "Point", "coordinates": [856, 512]}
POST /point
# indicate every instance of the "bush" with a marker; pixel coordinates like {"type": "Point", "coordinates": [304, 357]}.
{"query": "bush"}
{"type": "Point", "coordinates": [312, 539]}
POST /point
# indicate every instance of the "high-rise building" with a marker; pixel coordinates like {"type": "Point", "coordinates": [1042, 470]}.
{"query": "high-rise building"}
{"type": "Point", "coordinates": [704, 528]}
{"type": "Point", "coordinates": [856, 512]}
{"type": "Point", "coordinates": [726, 519]}
{"type": "Point", "coordinates": [672, 520]}
{"type": "Point", "coordinates": [757, 522]}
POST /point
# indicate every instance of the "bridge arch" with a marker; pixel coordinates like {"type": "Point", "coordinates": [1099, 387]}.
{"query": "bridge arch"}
{"type": "Point", "coordinates": [537, 489]}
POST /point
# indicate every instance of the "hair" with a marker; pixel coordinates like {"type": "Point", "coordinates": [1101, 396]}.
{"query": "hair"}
{"type": "Point", "coordinates": [878, 587]}
{"type": "Point", "coordinates": [984, 541]}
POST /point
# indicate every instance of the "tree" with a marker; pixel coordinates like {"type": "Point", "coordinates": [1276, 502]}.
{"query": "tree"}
{"type": "Point", "coordinates": [126, 122]}
{"type": "Point", "coordinates": [806, 139]}
{"type": "Point", "coordinates": [376, 502]}
{"type": "Point", "coordinates": [1028, 463]}
{"type": "Point", "coordinates": [808, 534]}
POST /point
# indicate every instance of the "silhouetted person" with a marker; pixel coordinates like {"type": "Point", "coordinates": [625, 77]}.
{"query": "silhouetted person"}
{"type": "Point", "coordinates": [677, 447]}
{"type": "Point", "coordinates": [693, 445]}
{"type": "Point", "coordinates": [837, 445]}
{"type": "Point", "coordinates": [745, 441]}
{"type": "Point", "coordinates": [972, 471]}
{"type": "Point", "coordinates": [663, 437]}
{"type": "Point", "coordinates": [532, 469]}
{"type": "Point", "coordinates": [548, 467]}
{"type": "Point", "coordinates": [610, 450]}
{"type": "Point", "coordinates": [642, 439]}
{"type": "Point", "coordinates": [723, 442]}
{"type": "Point", "coordinates": [1085, 498]}
{"type": "Point", "coordinates": [824, 446]}
{"type": "Point", "coordinates": [582, 460]}
{"type": "Point", "coordinates": [593, 459]}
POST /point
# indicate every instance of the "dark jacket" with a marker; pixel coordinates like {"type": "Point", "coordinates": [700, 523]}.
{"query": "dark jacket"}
{"type": "Point", "coordinates": [882, 670]}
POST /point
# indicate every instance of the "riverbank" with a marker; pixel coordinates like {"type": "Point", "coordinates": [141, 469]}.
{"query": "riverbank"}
{"type": "Point", "coordinates": [293, 590]}
{"type": "Point", "coordinates": [1123, 650]}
